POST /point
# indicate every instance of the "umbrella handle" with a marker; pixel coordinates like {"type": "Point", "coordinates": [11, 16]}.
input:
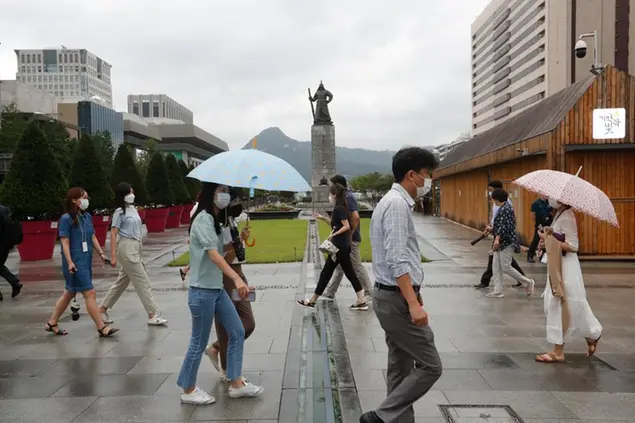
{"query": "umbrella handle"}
{"type": "Point", "coordinates": [253, 243]}
{"type": "Point", "coordinates": [578, 172]}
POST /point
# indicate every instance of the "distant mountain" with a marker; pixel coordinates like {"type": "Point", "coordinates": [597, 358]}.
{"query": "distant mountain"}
{"type": "Point", "coordinates": [348, 161]}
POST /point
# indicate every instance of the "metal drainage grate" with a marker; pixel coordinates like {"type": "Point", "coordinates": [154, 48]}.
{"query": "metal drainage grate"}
{"type": "Point", "coordinates": [457, 413]}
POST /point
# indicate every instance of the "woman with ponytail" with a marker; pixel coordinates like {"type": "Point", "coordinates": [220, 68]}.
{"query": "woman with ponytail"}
{"type": "Point", "coordinates": [208, 298]}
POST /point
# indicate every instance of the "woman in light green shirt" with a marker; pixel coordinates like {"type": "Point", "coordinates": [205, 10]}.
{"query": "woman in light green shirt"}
{"type": "Point", "coordinates": [207, 298]}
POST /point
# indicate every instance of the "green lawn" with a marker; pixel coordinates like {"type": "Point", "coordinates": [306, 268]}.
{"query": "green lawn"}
{"type": "Point", "coordinates": [277, 241]}
{"type": "Point", "coordinates": [281, 241]}
{"type": "Point", "coordinates": [364, 225]}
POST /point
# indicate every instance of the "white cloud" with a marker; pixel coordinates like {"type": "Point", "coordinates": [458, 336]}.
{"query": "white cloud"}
{"type": "Point", "coordinates": [399, 70]}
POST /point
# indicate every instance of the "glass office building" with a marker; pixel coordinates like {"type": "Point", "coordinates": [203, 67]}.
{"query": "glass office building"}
{"type": "Point", "coordinates": [93, 118]}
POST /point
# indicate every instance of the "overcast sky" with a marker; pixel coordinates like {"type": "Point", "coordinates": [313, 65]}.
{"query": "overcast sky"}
{"type": "Point", "coordinates": [399, 70]}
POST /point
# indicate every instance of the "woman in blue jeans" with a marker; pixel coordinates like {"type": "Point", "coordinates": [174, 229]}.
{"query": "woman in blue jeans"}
{"type": "Point", "coordinates": [207, 297]}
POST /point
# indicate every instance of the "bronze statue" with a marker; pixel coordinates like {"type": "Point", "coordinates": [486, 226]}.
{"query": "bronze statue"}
{"type": "Point", "coordinates": [322, 98]}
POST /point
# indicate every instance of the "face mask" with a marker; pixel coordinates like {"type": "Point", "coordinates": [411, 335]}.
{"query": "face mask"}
{"type": "Point", "coordinates": [129, 198]}
{"type": "Point", "coordinates": [427, 186]}
{"type": "Point", "coordinates": [83, 203]}
{"type": "Point", "coordinates": [553, 203]}
{"type": "Point", "coordinates": [222, 200]}
{"type": "Point", "coordinates": [332, 199]}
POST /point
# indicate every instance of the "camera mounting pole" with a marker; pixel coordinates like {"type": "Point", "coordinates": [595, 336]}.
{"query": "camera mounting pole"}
{"type": "Point", "coordinates": [596, 67]}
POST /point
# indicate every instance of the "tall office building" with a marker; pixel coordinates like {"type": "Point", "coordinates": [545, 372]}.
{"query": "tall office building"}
{"type": "Point", "coordinates": [71, 75]}
{"type": "Point", "coordinates": [523, 51]}
{"type": "Point", "coordinates": [158, 106]}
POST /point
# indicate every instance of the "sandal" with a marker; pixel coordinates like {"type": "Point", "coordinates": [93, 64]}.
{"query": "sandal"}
{"type": "Point", "coordinates": [306, 303]}
{"type": "Point", "coordinates": [592, 346]}
{"type": "Point", "coordinates": [103, 334]}
{"type": "Point", "coordinates": [183, 274]}
{"type": "Point", "coordinates": [548, 358]}
{"type": "Point", "coordinates": [50, 328]}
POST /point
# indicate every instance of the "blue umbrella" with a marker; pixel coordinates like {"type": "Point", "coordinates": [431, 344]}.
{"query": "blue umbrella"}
{"type": "Point", "coordinates": [252, 169]}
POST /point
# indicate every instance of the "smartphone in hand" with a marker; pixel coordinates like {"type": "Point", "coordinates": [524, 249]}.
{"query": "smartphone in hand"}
{"type": "Point", "coordinates": [251, 297]}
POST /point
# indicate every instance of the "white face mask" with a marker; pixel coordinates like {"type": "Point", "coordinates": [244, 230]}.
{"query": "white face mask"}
{"type": "Point", "coordinates": [332, 199]}
{"type": "Point", "coordinates": [427, 186]}
{"type": "Point", "coordinates": [222, 200]}
{"type": "Point", "coordinates": [129, 198]}
{"type": "Point", "coordinates": [83, 203]}
{"type": "Point", "coordinates": [553, 203]}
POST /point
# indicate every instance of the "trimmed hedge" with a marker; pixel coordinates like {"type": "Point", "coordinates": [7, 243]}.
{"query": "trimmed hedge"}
{"type": "Point", "coordinates": [88, 173]}
{"type": "Point", "coordinates": [177, 185]}
{"type": "Point", "coordinates": [125, 170]}
{"type": "Point", "coordinates": [158, 184]}
{"type": "Point", "coordinates": [35, 187]}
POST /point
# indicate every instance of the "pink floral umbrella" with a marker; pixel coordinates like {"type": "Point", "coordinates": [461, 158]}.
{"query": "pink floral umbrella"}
{"type": "Point", "coordinates": [571, 190]}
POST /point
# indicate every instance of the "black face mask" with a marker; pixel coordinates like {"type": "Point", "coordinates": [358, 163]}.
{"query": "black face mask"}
{"type": "Point", "coordinates": [235, 211]}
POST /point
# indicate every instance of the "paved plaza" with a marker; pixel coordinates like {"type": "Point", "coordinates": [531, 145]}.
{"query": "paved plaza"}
{"type": "Point", "coordinates": [324, 365]}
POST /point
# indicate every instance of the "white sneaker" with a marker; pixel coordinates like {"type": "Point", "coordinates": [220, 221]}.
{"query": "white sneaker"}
{"type": "Point", "coordinates": [106, 318]}
{"type": "Point", "coordinates": [157, 320]}
{"type": "Point", "coordinates": [249, 390]}
{"type": "Point", "coordinates": [213, 358]}
{"type": "Point", "coordinates": [223, 376]}
{"type": "Point", "coordinates": [197, 397]}
{"type": "Point", "coordinates": [495, 295]}
{"type": "Point", "coordinates": [368, 299]}
{"type": "Point", "coordinates": [529, 290]}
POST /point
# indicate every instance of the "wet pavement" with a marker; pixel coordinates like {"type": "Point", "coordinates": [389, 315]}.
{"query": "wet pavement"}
{"type": "Point", "coordinates": [323, 365]}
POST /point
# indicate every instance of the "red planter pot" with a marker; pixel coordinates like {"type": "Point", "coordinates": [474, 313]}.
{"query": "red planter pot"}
{"type": "Point", "coordinates": [142, 214]}
{"type": "Point", "coordinates": [101, 224]}
{"type": "Point", "coordinates": [156, 219]}
{"type": "Point", "coordinates": [174, 217]}
{"type": "Point", "coordinates": [39, 240]}
{"type": "Point", "coordinates": [185, 215]}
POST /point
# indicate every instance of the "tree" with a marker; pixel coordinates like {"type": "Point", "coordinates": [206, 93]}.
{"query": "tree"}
{"type": "Point", "coordinates": [144, 158]}
{"type": "Point", "coordinates": [193, 186]}
{"type": "Point", "coordinates": [35, 186]}
{"type": "Point", "coordinates": [177, 185]}
{"type": "Point", "coordinates": [157, 182]}
{"type": "Point", "coordinates": [372, 185]}
{"type": "Point", "coordinates": [105, 150]}
{"type": "Point", "coordinates": [12, 126]}
{"type": "Point", "coordinates": [125, 170]}
{"type": "Point", "coordinates": [87, 173]}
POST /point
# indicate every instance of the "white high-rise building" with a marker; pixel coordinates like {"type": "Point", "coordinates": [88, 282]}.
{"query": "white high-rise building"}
{"type": "Point", "coordinates": [523, 51]}
{"type": "Point", "coordinates": [71, 75]}
{"type": "Point", "coordinates": [158, 106]}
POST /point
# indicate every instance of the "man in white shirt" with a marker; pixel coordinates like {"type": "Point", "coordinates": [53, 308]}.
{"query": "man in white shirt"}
{"type": "Point", "coordinates": [487, 275]}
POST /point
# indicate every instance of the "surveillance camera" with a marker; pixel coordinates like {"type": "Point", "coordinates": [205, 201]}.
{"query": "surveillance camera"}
{"type": "Point", "coordinates": [580, 49]}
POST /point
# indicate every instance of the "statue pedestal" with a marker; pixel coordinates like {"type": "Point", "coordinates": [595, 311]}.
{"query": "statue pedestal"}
{"type": "Point", "coordinates": [323, 163]}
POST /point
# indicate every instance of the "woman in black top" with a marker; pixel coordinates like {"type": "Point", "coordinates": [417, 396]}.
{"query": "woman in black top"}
{"type": "Point", "coordinates": [341, 238]}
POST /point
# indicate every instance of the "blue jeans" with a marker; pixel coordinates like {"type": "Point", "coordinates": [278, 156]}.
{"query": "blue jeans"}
{"type": "Point", "coordinates": [204, 303]}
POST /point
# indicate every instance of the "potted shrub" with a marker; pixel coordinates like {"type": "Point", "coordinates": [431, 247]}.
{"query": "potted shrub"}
{"type": "Point", "coordinates": [125, 170]}
{"type": "Point", "coordinates": [159, 193]}
{"type": "Point", "coordinates": [35, 189]}
{"type": "Point", "coordinates": [177, 185]}
{"type": "Point", "coordinates": [192, 186]}
{"type": "Point", "coordinates": [88, 173]}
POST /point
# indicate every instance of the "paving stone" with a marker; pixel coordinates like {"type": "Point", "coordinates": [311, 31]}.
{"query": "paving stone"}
{"type": "Point", "coordinates": [31, 387]}
{"type": "Point", "coordinates": [601, 405]}
{"type": "Point", "coordinates": [136, 409]}
{"type": "Point", "coordinates": [49, 410]}
{"type": "Point", "coordinates": [112, 385]}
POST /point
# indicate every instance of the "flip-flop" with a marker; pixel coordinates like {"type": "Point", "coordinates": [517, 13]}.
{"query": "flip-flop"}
{"type": "Point", "coordinates": [548, 358]}
{"type": "Point", "coordinates": [592, 346]}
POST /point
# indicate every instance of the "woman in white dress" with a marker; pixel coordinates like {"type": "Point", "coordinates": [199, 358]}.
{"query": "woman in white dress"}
{"type": "Point", "coordinates": [581, 321]}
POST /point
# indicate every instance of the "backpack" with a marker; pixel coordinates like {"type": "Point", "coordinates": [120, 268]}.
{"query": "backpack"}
{"type": "Point", "coordinates": [11, 230]}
